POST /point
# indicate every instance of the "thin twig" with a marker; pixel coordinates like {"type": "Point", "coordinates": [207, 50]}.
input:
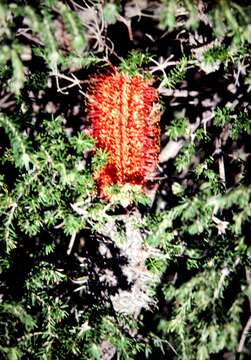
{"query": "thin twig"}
{"type": "Point", "coordinates": [73, 237]}
{"type": "Point", "coordinates": [74, 81]}
{"type": "Point", "coordinates": [247, 327]}
{"type": "Point", "coordinates": [128, 25]}
{"type": "Point", "coordinates": [248, 277]}
{"type": "Point", "coordinates": [222, 173]}
{"type": "Point", "coordinates": [24, 33]}
{"type": "Point", "coordinates": [27, 336]}
{"type": "Point", "coordinates": [244, 334]}
{"type": "Point", "coordinates": [4, 103]}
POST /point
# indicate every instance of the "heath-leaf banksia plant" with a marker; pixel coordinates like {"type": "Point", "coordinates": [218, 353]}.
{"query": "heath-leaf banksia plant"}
{"type": "Point", "coordinates": [124, 115]}
{"type": "Point", "coordinates": [125, 122]}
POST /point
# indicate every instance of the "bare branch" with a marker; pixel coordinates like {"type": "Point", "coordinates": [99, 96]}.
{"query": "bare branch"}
{"type": "Point", "coordinates": [244, 334]}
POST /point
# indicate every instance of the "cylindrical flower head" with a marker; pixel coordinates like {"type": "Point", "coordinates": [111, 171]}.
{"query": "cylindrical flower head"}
{"type": "Point", "coordinates": [125, 122]}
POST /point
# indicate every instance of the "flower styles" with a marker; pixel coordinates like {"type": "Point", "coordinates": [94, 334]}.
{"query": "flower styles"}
{"type": "Point", "coordinates": [124, 122]}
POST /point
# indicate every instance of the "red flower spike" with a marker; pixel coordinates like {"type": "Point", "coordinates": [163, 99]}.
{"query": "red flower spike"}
{"type": "Point", "coordinates": [125, 123]}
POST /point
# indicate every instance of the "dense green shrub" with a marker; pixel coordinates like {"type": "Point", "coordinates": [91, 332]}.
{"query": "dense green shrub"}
{"type": "Point", "coordinates": [64, 255]}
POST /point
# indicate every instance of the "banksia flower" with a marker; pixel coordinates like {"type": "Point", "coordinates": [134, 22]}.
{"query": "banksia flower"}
{"type": "Point", "coordinates": [124, 122]}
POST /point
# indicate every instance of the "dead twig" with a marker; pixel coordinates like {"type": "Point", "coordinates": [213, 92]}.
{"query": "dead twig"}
{"type": "Point", "coordinates": [244, 334]}
{"type": "Point", "coordinates": [247, 327]}
{"type": "Point", "coordinates": [74, 81]}
{"type": "Point", "coordinates": [27, 35]}
{"type": "Point", "coordinates": [73, 237]}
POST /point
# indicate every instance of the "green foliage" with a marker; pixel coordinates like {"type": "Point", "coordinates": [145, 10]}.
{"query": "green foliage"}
{"type": "Point", "coordinates": [69, 47]}
{"type": "Point", "coordinates": [239, 124]}
{"type": "Point", "coordinates": [217, 53]}
{"type": "Point", "coordinates": [99, 159]}
{"type": "Point", "coordinates": [185, 156]}
{"type": "Point", "coordinates": [111, 12]}
{"type": "Point", "coordinates": [73, 27]}
{"type": "Point", "coordinates": [37, 199]}
{"type": "Point", "coordinates": [168, 18]}
{"type": "Point", "coordinates": [19, 146]}
{"type": "Point", "coordinates": [232, 18]}
{"type": "Point", "coordinates": [188, 328]}
{"type": "Point", "coordinates": [176, 75]}
{"type": "Point", "coordinates": [60, 266]}
{"type": "Point", "coordinates": [134, 62]}
{"type": "Point", "coordinates": [178, 127]}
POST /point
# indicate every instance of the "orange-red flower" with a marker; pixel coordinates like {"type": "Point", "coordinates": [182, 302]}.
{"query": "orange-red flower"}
{"type": "Point", "coordinates": [125, 122]}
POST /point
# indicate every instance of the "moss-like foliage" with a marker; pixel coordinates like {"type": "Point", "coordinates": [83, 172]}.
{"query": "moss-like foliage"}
{"type": "Point", "coordinates": [179, 251]}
